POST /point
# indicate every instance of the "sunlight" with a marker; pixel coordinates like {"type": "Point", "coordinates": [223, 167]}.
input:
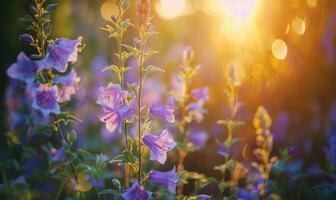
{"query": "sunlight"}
{"type": "Point", "coordinates": [108, 8]}
{"type": "Point", "coordinates": [279, 49]}
{"type": "Point", "coordinates": [171, 9]}
{"type": "Point", "coordinates": [240, 10]}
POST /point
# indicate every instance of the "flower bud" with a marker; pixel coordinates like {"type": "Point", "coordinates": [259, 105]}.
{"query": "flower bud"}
{"type": "Point", "coordinates": [27, 38]}
{"type": "Point", "coordinates": [125, 4]}
{"type": "Point", "coordinates": [188, 55]}
{"type": "Point", "coordinates": [137, 43]}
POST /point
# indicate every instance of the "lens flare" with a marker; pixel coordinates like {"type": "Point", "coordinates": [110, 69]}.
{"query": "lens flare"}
{"type": "Point", "coordinates": [279, 49]}
{"type": "Point", "coordinates": [241, 10]}
{"type": "Point", "coordinates": [299, 26]}
{"type": "Point", "coordinates": [107, 9]}
{"type": "Point", "coordinates": [172, 9]}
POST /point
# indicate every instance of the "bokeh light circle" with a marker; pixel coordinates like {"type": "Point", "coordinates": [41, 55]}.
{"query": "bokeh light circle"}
{"type": "Point", "coordinates": [279, 49]}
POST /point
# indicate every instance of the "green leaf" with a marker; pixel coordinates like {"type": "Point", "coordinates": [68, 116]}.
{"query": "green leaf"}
{"type": "Point", "coordinates": [52, 7]}
{"type": "Point", "coordinates": [150, 53]}
{"type": "Point", "coordinates": [151, 69]}
{"type": "Point", "coordinates": [108, 191]}
{"type": "Point", "coordinates": [127, 157]}
{"type": "Point", "coordinates": [66, 117]}
{"type": "Point", "coordinates": [114, 68]}
{"type": "Point", "coordinates": [27, 18]}
{"type": "Point", "coordinates": [125, 55]}
{"type": "Point", "coordinates": [133, 87]}
{"type": "Point", "coordinates": [135, 52]}
{"type": "Point", "coordinates": [33, 9]}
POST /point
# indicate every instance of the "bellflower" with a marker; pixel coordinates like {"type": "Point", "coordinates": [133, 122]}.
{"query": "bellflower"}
{"type": "Point", "coordinates": [196, 111]}
{"type": "Point", "coordinates": [164, 111]}
{"type": "Point", "coordinates": [111, 98]}
{"type": "Point", "coordinates": [198, 138]}
{"type": "Point", "coordinates": [245, 194]}
{"type": "Point", "coordinates": [69, 84]}
{"type": "Point", "coordinates": [201, 94]}
{"type": "Point", "coordinates": [45, 99]}
{"type": "Point", "coordinates": [60, 54]}
{"type": "Point", "coordinates": [136, 192]}
{"type": "Point", "coordinates": [24, 69]}
{"type": "Point", "coordinates": [159, 145]}
{"type": "Point", "coordinates": [168, 179]}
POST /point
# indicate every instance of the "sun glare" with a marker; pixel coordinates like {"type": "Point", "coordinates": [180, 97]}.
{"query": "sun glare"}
{"type": "Point", "coordinates": [108, 8]}
{"type": "Point", "coordinates": [240, 10]}
{"type": "Point", "coordinates": [171, 9]}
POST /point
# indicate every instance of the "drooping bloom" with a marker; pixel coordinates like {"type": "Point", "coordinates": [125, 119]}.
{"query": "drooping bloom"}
{"type": "Point", "coordinates": [168, 179]}
{"type": "Point", "coordinates": [201, 94]}
{"type": "Point", "coordinates": [24, 69]}
{"type": "Point", "coordinates": [164, 111]}
{"type": "Point", "coordinates": [70, 83]}
{"type": "Point", "coordinates": [196, 111]}
{"type": "Point", "coordinates": [60, 54]}
{"type": "Point", "coordinates": [111, 98]}
{"type": "Point", "coordinates": [26, 38]}
{"type": "Point", "coordinates": [136, 192]}
{"type": "Point", "coordinates": [159, 145]}
{"type": "Point", "coordinates": [45, 99]}
{"type": "Point", "coordinates": [198, 138]}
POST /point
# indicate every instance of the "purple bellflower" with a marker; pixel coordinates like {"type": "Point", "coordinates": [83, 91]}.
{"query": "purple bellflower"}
{"type": "Point", "coordinates": [70, 83]}
{"type": "Point", "coordinates": [111, 98]}
{"type": "Point", "coordinates": [201, 94]}
{"type": "Point", "coordinates": [136, 192]}
{"type": "Point", "coordinates": [45, 99]}
{"type": "Point", "coordinates": [198, 138]}
{"type": "Point", "coordinates": [164, 111]}
{"type": "Point", "coordinates": [24, 69]}
{"type": "Point", "coordinates": [60, 54]}
{"type": "Point", "coordinates": [168, 179]}
{"type": "Point", "coordinates": [159, 145]}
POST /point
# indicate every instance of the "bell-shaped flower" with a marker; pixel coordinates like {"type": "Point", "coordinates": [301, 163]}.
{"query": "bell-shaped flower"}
{"type": "Point", "coordinates": [136, 192]}
{"type": "Point", "coordinates": [198, 138]}
{"type": "Point", "coordinates": [112, 99]}
{"type": "Point", "coordinates": [112, 96]}
{"type": "Point", "coordinates": [201, 94]}
{"type": "Point", "coordinates": [168, 179]}
{"type": "Point", "coordinates": [70, 83]}
{"type": "Point", "coordinates": [24, 69]}
{"type": "Point", "coordinates": [196, 111]}
{"type": "Point", "coordinates": [45, 99]}
{"type": "Point", "coordinates": [114, 117]}
{"type": "Point", "coordinates": [159, 145]}
{"type": "Point", "coordinates": [60, 54]}
{"type": "Point", "coordinates": [164, 111]}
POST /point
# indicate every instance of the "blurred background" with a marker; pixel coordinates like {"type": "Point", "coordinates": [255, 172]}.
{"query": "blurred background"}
{"type": "Point", "coordinates": [285, 52]}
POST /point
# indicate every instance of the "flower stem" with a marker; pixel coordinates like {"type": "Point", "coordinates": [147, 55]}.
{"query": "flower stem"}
{"type": "Point", "coordinates": [122, 83]}
{"type": "Point", "coordinates": [59, 128]}
{"type": "Point", "coordinates": [141, 63]}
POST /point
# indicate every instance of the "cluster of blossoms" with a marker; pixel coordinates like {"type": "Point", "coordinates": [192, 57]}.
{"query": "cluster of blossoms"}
{"type": "Point", "coordinates": [122, 105]}
{"type": "Point", "coordinates": [48, 92]}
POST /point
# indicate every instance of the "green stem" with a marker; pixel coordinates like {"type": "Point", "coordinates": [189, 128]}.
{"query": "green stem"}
{"type": "Point", "coordinates": [141, 63]}
{"type": "Point", "coordinates": [71, 164]}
